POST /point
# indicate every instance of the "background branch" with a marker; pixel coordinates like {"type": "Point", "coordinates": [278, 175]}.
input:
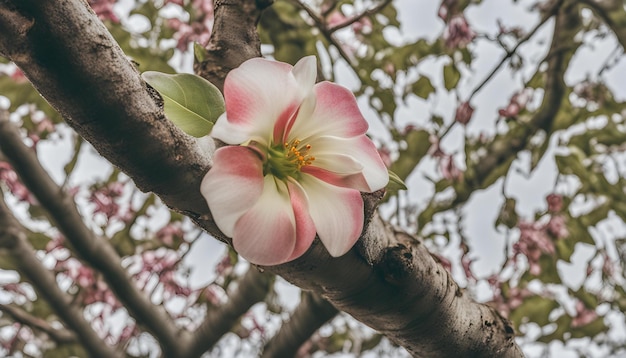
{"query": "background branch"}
{"type": "Point", "coordinates": [13, 239]}
{"type": "Point", "coordinates": [59, 335]}
{"type": "Point", "coordinates": [96, 251]}
{"type": "Point", "coordinates": [503, 149]}
{"type": "Point", "coordinates": [312, 313]}
{"type": "Point", "coordinates": [252, 288]}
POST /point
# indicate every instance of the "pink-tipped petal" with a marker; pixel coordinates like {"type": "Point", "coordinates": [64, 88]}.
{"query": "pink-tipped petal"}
{"type": "Point", "coordinates": [266, 234]}
{"type": "Point", "coordinates": [237, 173]}
{"type": "Point", "coordinates": [337, 213]}
{"type": "Point", "coordinates": [352, 181]}
{"type": "Point", "coordinates": [360, 149]}
{"type": "Point", "coordinates": [338, 169]}
{"type": "Point", "coordinates": [305, 74]}
{"type": "Point", "coordinates": [305, 228]}
{"type": "Point", "coordinates": [256, 94]}
{"type": "Point", "coordinates": [336, 113]}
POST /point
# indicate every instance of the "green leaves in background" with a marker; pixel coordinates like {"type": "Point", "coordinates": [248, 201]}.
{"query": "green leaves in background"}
{"type": "Point", "coordinates": [191, 102]}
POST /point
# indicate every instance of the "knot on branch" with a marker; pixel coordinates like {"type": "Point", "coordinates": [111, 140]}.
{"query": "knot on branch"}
{"type": "Point", "coordinates": [397, 264]}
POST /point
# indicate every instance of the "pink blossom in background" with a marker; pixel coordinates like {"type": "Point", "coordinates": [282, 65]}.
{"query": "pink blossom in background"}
{"type": "Point", "coordinates": [533, 242]}
{"type": "Point", "coordinates": [362, 26]}
{"type": "Point", "coordinates": [449, 169]}
{"type": "Point", "coordinates": [584, 315]}
{"type": "Point", "coordinates": [298, 160]}
{"type": "Point", "coordinates": [557, 227]}
{"type": "Point", "coordinates": [555, 203]}
{"type": "Point", "coordinates": [170, 233]}
{"type": "Point", "coordinates": [516, 104]}
{"type": "Point", "coordinates": [335, 18]}
{"type": "Point", "coordinates": [199, 27]}
{"type": "Point", "coordinates": [163, 264]}
{"type": "Point", "coordinates": [464, 113]}
{"type": "Point", "coordinates": [15, 186]}
{"type": "Point", "coordinates": [18, 76]}
{"type": "Point", "coordinates": [106, 200]}
{"type": "Point", "coordinates": [104, 9]}
{"type": "Point", "coordinates": [93, 290]}
{"type": "Point", "coordinates": [435, 147]}
{"type": "Point", "coordinates": [458, 33]}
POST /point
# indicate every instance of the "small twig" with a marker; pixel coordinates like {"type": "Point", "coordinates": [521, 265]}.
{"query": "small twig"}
{"type": "Point", "coordinates": [547, 15]}
{"type": "Point", "coordinates": [358, 17]}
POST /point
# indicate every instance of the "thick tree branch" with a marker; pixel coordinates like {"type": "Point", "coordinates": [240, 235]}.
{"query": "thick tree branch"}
{"type": "Point", "coordinates": [252, 288]}
{"type": "Point", "coordinates": [86, 78]}
{"type": "Point", "coordinates": [396, 289]}
{"type": "Point", "coordinates": [312, 312]}
{"type": "Point", "coordinates": [13, 239]}
{"type": "Point", "coordinates": [59, 335]}
{"type": "Point", "coordinates": [96, 251]}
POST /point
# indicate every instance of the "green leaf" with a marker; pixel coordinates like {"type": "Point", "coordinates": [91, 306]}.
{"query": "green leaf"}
{"type": "Point", "coordinates": [395, 183]}
{"type": "Point", "coordinates": [422, 87]}
{"type": "Point", "coordinates": [534, 309]}
{"type": "Point", "coordinates": [191, 102]}
{"type": "Point", "coordinates": [199, 52]}
{"type": "Point", "coordinates": [451, 76]}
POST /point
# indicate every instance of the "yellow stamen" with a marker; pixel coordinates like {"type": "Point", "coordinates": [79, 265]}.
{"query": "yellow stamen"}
{"type": "Point", "coordinates": [298, 155]}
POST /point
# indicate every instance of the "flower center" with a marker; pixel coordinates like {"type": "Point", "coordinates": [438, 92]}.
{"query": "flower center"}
{"type": "Point", "coordinates": [287, 160]}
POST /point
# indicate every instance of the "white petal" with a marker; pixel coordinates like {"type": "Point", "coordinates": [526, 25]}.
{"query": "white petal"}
{"type": "Point", "coordinates": [335, 114]}
{"type": "Point", "coordinates": [237, 173]}
{"type": "Point", "coordinates": [305, 73]}
{"type": "Point", "coordinates": [266, 234]}
{"type": "Point", "coordinates": [360, 148]}
{"type": "Point", "coordinates": [337, 213]}
{"type": "Point", "coordinates": [256, 94]}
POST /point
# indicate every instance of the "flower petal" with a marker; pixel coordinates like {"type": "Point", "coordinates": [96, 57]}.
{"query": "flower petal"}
{"type": "Point", "coordinates": [337, 214]}
{"type": "Point", "coordinates": [305, 73]}
{"type": "Point", "coordinates": [338, 169]}
{"type": "Point", "coordinates": [305, 228]}
{"type": "Point", "coordinates": [331, 152]}
{"type": "Point", "coordinates": [266, 234]}
{"type": "Point", "coordinates": [256, 94]}
{"type": "Point", "coordinates": [336, 113]}
{"type": "Point", "coordinates": [237, 173]}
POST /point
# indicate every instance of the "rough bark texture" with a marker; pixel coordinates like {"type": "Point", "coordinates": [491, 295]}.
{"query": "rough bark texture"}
{"type": "Point", "coordinates": [389, 281]}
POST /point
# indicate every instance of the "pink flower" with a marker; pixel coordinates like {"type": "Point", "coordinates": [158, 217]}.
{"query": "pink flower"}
{"type": "Point", "coordinates": [104, 9]}
{"type": "Point", "coordinates": [300, 160]}
{"type": "Point", "coordinates": [557, 227]}
{"type": "Point", "coordinates": [458, 34]}
{"type": "Point", "coordinates": [555, 202]}
{"type": "Point", "coordinates": [464, 113]}
{"type": "Point", "coordinates": [516, 104]}
{"type": "Point", "coordinates": [584, 315]}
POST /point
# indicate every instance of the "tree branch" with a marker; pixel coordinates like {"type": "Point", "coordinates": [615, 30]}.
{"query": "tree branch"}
{"type": "Point", "coordinates": [612, 12]}
{"type": "Point", "coordinates": [503, 149]}
{"type": "Point", "coordinates": [60, 336]}
{"type": "Point", "coordinates": [96, 251]}
{"type": "Point", "coordinates": [252, 288]}
{"type": "Point", "coordinates": [392, 288]}
{"type": "Point", "coordinates": [13, 239]}
{"type": "Point", "coordinates": [312, 312]}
